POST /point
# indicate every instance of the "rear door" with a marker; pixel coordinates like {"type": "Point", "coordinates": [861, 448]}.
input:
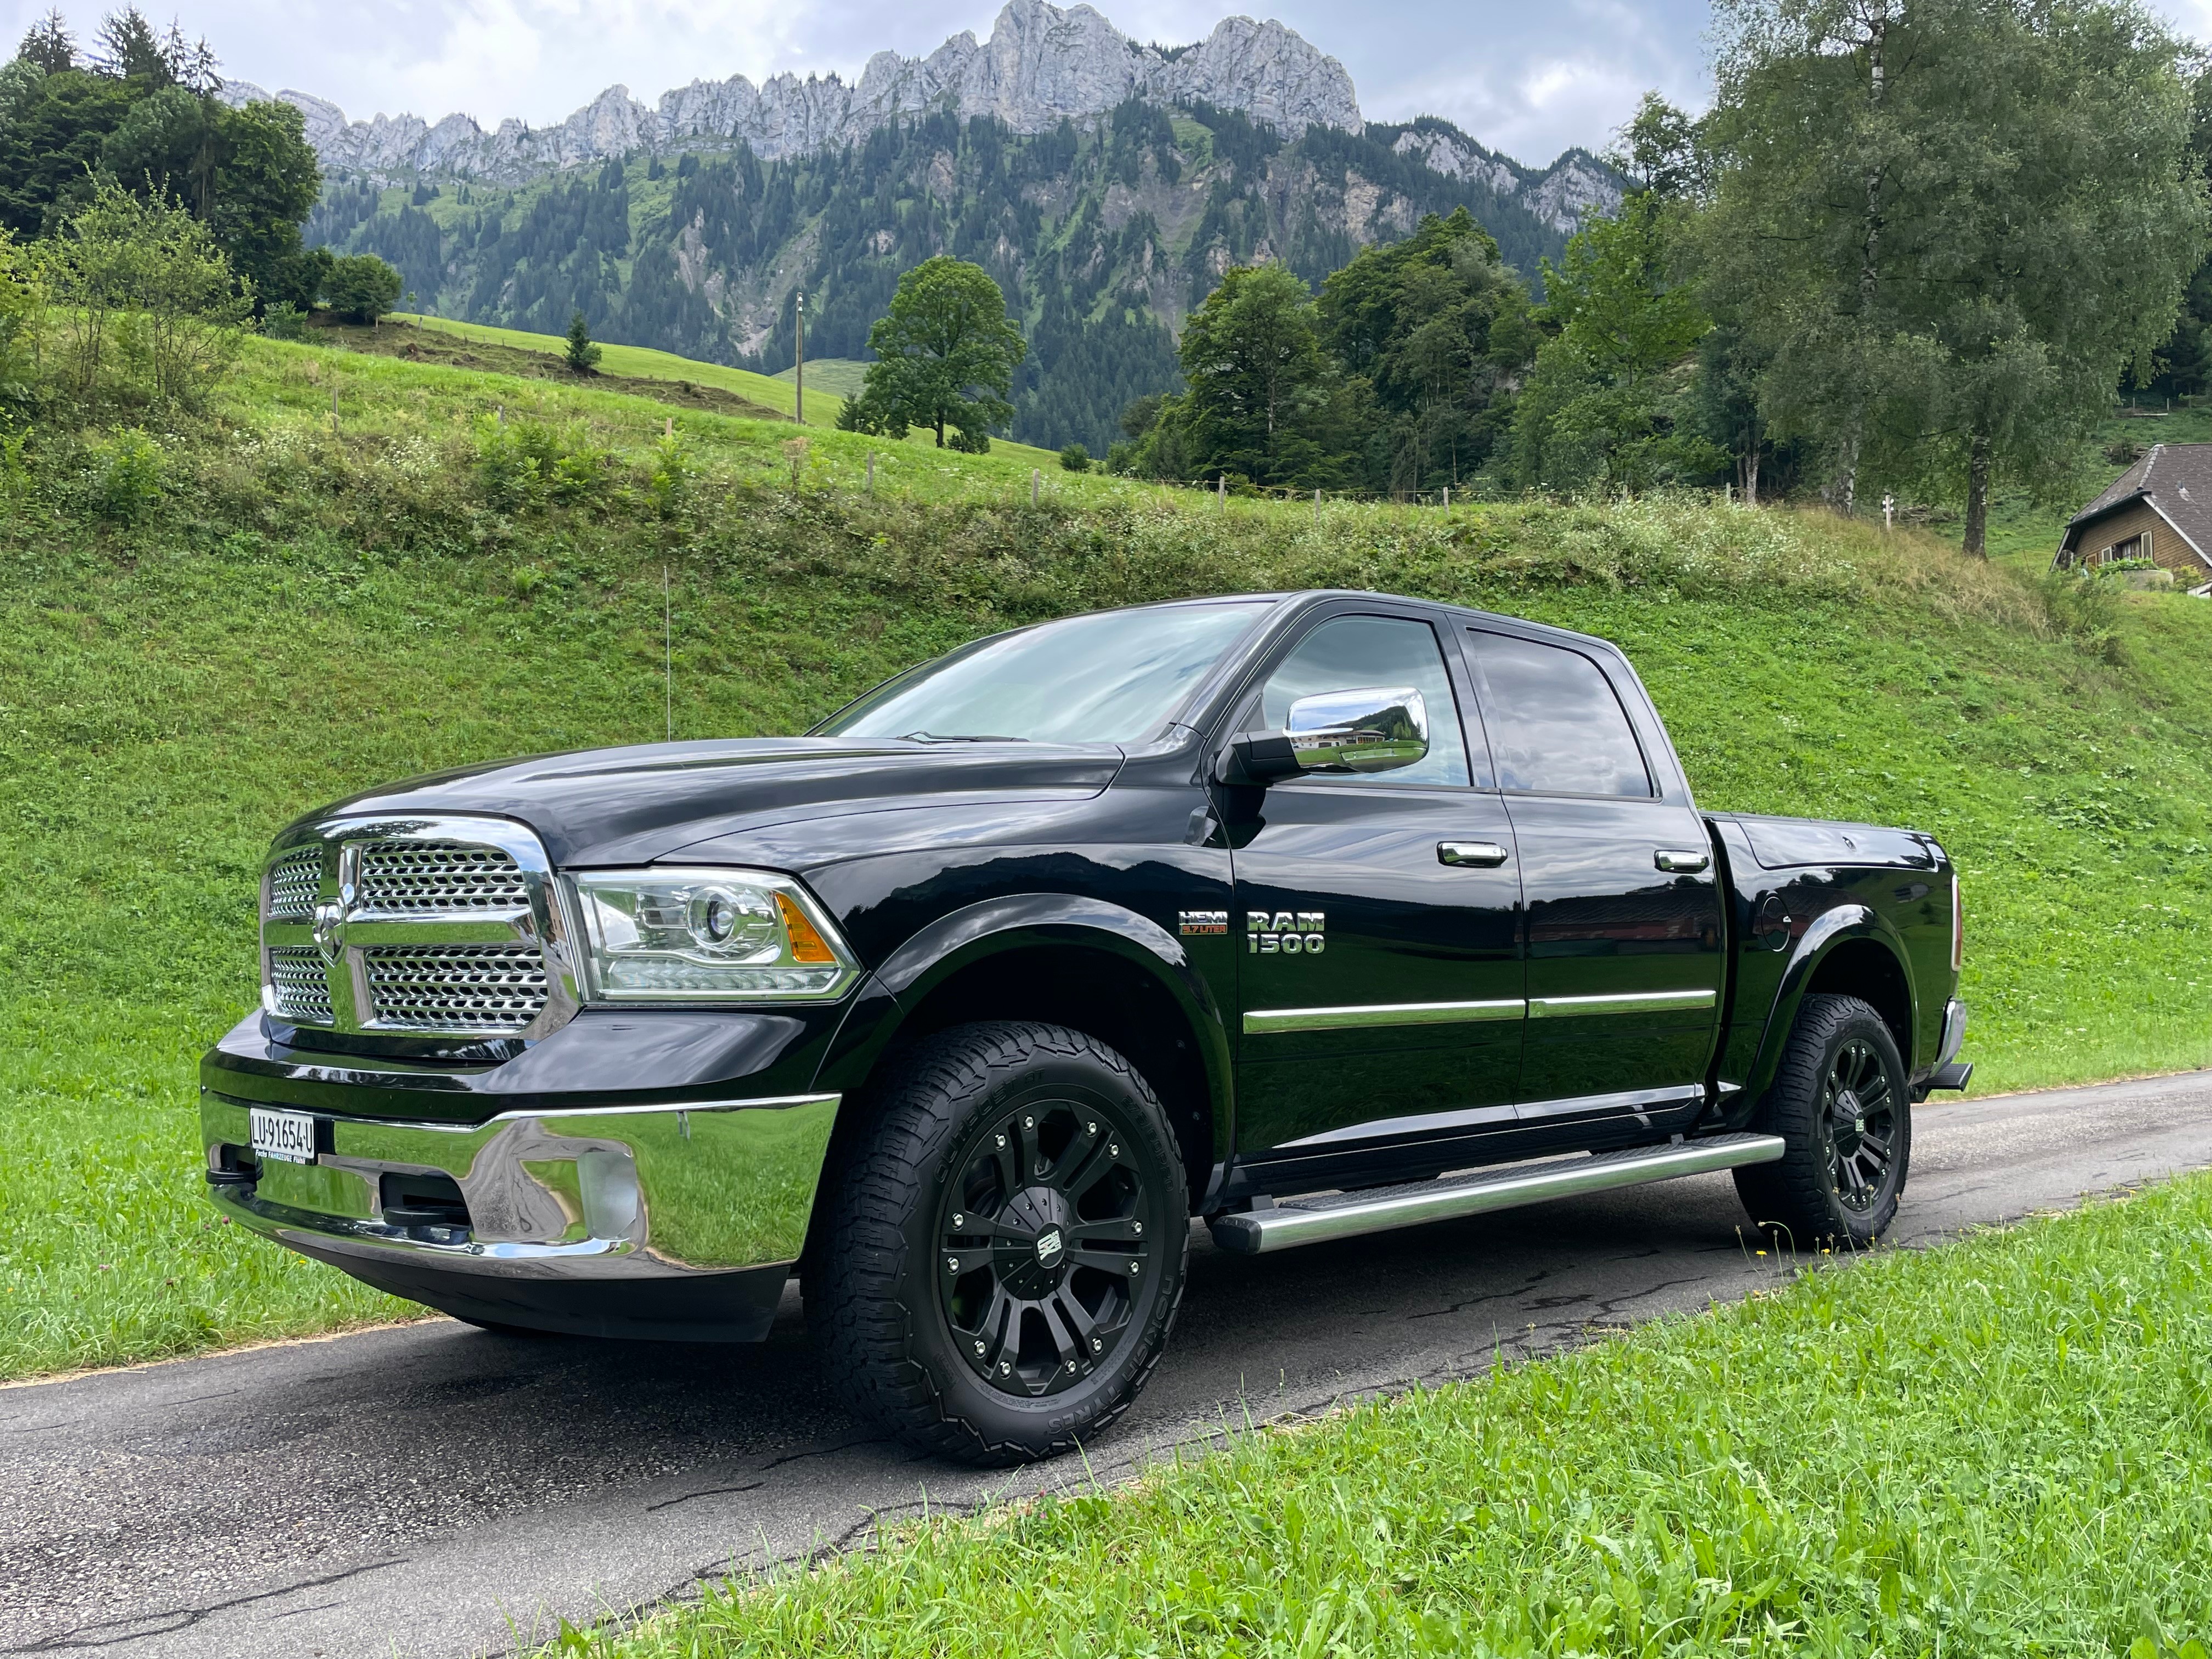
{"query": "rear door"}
{"type": "Point", "coordinates": [1623, 904]}
{"type": "Point", "coordinates": [1379, 965]}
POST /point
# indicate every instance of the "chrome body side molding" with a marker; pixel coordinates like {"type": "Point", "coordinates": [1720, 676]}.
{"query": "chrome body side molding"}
{"type": "Point", "coordinates": [1633, 1002]}
{"type": "Point", "coordinates": [1311, 1221]}
{"type": "Point", "coordinates": [1259, 1020]}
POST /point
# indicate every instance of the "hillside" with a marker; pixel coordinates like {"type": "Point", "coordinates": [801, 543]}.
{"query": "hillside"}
{"type": "Point", "coordinates": [1103, 239]}
{"type": "Point", "coordinates": [208, 629]}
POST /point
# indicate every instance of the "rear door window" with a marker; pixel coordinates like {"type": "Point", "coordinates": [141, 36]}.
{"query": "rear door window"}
{"type": "Point", "coordinates": [1556, 727]}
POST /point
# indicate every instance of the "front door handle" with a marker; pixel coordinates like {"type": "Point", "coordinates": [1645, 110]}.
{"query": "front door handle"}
{"type": "Point", "coordinates": [1479, 854]}
{"type": "Point", "coordinates": [1681, 861]}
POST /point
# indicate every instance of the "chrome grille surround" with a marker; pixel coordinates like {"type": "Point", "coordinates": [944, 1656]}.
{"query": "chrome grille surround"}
{"type": "Point", "coordinates": [439, 876]}
{"type": "Point", "coordinates": [303, 990]}
{"type": "Point", "coordinates": [435, 924]}
{"type": "Point", "coordinates": [455, 988]}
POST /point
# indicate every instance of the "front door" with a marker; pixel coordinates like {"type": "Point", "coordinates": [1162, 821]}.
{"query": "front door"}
{"type": "Point", "coordinates": [1379, 967]}
{"type": "Point", "coordinates": [1624, 909]}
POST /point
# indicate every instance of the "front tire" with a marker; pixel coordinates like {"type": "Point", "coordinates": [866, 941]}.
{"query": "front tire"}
{"type": "Point", "coordinates": [1007, 1248]}
{"type": "Point", "coordinates": [1841, 1103]}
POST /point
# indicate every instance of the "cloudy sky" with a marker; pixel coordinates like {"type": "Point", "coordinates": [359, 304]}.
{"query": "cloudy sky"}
{"type": "Point", "coordinates": [1529, 79]}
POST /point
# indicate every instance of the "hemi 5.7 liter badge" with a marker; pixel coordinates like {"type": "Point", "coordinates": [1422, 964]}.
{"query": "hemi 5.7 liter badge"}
{"type": "Point", "coordinates": [1285, 932]}
{"type": "Point", "coordinates": [1201, 922]}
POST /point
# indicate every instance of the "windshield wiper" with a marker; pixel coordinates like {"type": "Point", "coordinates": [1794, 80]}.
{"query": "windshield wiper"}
{"type": "Point", "coordinates": [963, 737]}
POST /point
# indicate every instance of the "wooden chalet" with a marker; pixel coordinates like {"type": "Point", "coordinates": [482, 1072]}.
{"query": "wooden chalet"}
{"type": "Point", "coordinates": [2159, 509]}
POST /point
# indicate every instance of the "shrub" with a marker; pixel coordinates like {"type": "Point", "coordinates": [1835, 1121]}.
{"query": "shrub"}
{"type": "Point", "coordinates": [977, 443]}
{"type": "Point", "coordinates": [285, 321]}
{"type": "Point", "coordinates": [124, 479]}
{"type": "Point", "coordinates": [143, 303]}
{"type": "Point", "coordinates": [1076, 459]}
{"type": "Point", "coordinates": [669, 480]}
{"type": "Point", "coordinates": [361, 288]}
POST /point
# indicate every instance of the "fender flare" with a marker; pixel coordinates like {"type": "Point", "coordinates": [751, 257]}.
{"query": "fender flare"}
{"type": "Point", "coordinates": [1027, 921]}
{"type": "Point", "coordinates": [1833, 927]}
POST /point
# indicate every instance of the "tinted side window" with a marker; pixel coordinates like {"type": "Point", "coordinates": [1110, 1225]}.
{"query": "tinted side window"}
{"type": "Point", "coordinates": [1556, 728]}
{"type": "Point", "coordinates": [1347, 654]}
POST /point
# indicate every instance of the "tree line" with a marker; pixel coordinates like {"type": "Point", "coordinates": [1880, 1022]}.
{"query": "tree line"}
{"type": "Point", "coordinates": [141, 112]}
{"type": "Point", "coordinates": [1915, 245]}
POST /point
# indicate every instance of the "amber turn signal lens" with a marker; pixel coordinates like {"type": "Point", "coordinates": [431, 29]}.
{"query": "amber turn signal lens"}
{"type": "Point", "coordinates": [807, 944]}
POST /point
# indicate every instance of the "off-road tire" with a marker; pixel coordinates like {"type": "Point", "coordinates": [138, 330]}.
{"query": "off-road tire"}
{"type": "Point", "coordinates": [1818, 1194]}
{"type": "Point", "coordinates": [884, 1290]}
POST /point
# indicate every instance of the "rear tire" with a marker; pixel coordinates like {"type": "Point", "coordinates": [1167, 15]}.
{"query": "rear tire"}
{"type": "Point", "coordinates": [1007, 1247]}
{"type": "Point", "coordinates": [1841, 1103]}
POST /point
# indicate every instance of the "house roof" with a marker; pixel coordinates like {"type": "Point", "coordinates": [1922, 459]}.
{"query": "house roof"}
{"type": "Point", "coordinates": [2175, 482]}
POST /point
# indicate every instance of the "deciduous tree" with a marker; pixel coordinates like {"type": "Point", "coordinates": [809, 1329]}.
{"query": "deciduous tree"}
{"type": "Point", "coordinates": [947, 352]}
{"type": "Point", "coordinates": [1949, 225]}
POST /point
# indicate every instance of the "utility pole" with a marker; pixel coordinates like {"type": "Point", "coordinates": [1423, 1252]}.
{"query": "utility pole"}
{"type": "Point", "coordinates": [798, 359]}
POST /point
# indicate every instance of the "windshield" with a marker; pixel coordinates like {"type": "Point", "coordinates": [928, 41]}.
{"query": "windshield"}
{"type": "Point", "coordinates": [1112, 678]}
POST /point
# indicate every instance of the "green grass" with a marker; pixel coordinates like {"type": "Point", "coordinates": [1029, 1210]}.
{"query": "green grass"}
{"type": "Point", "coordinates": [777, 391]}
{"type": "Point", "coordinates": [646, 363]}
{"type": "Point", "coordinates": [1996, 1448]}
{"type": "Point", "coordinates": [306, 611]}
{"type": "Point", "coordinates": [843, 376]}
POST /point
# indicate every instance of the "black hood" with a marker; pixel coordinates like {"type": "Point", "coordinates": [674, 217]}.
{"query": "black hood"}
{"type": "Point", "coordinates": [607, 806]}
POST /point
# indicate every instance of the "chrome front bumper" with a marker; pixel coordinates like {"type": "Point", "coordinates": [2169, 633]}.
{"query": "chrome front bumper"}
{"type": "Point", "coordinates": [653, 1221]}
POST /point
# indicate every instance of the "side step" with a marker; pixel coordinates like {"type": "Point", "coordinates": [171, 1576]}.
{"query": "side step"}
{"type": "Point", "coordinates": [1344, 1215]}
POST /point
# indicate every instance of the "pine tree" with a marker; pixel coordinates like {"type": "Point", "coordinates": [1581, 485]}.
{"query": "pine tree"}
{"type": "Point", "coordinates": [50, 45]}
{"type": "Point", "coordinates": [583, 353]}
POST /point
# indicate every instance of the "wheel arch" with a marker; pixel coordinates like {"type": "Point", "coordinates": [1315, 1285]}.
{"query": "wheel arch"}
{"type": "Point", "coordinates": [1844, 952]}
{"type": "Point", "coordinates": [1058, 959]}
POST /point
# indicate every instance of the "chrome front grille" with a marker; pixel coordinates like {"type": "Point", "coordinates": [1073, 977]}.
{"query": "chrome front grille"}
{"type": "Point", "coordinates": [303, 990]}
{"type": "Point", "coordinates": [455, 988]}
{"type": "Point", "coordinates": [435, 924]}
{"type": "Point", "coordinates": [441, 877]}
{"type": "Point", "coordinates": [294, 883]}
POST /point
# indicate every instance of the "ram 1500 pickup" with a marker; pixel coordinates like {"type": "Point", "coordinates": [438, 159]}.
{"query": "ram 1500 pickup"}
{"type": "Point", "coordinates": [1302, 914]}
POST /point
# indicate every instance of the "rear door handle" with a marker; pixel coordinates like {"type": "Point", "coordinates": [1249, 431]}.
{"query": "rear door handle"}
{"type": "Point", "coordinates": [1681, 861]}
{"type": "Point", "coordinates": [1479, 854]}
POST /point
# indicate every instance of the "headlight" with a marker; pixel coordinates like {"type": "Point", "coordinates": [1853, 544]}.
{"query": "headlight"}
{"type": "Point", "coordinates": [706, 936]}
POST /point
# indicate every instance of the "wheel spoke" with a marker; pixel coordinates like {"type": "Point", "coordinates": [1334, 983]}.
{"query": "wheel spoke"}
{"type": "Point", "coordinates": [1083, 1162]}
{"type": "Point", "coordinates": [1120, 1230]}
{"type": "Point", "coordinates": [1007, 1156]}
{"type": "Point", "coordinates": [1002, 1325]}
{"type": "Point", "coordinates": [1109, 1261]}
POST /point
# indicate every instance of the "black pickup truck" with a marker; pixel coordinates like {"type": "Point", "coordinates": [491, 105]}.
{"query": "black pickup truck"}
{"type": "Point", "coordinates": [1307, 915]}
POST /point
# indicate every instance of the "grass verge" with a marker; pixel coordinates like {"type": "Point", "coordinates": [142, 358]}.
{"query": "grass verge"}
{"type": "Point", "coordinates": [294, 609]}
{"type": "Point", "coordinates": [1993, 1448]}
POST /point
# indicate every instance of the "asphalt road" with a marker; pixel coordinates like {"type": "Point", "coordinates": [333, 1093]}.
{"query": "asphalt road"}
{"type": "Point", "coordinates": [433, 1490]}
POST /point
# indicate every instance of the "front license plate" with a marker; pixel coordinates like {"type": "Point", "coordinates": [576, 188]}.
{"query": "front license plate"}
{"type": "Point", "coordinates": [287, 1135]}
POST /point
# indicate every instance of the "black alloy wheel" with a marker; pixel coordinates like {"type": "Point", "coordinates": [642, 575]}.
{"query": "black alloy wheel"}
{"type": "Point", "coordinates": [1839, 1101]}
{"type": "Point", "coordinates": [1858, 1125]}
{"type": "Point", "coordinates": [1048, 1239]}
{"type": "Point", "coordinates": [995, 1273]}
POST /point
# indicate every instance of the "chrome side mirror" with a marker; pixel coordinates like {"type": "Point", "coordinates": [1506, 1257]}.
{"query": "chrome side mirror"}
{"type": "Point", "coordinates": [1376, 728]}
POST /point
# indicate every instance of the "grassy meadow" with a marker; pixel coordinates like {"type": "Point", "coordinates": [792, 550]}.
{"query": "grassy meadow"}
{"type": "Point", "coordinates": [1994, 1448]}
{"type": "Point", "coordinates": [210, 629]}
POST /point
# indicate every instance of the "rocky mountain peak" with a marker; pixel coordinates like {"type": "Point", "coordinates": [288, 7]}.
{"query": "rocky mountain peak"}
{"type": "Point", "coordinates": [1041, 65]}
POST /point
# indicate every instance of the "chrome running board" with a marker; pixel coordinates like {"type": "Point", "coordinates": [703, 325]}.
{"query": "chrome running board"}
{"type": "Point", "coordinates": [1344, 1215]}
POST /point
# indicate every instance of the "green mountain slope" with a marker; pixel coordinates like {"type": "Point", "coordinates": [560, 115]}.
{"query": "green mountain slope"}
{"type": "Point", "coordinates": [1102, 241]}
{"type": "Point", "coordinates": [299, 609]}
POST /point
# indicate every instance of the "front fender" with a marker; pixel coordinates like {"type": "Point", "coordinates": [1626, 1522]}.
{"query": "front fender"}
{"type": "Point", "coordinates": [1831, 928]}
{"type": "Point", "coordinates": [1024, 921]}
